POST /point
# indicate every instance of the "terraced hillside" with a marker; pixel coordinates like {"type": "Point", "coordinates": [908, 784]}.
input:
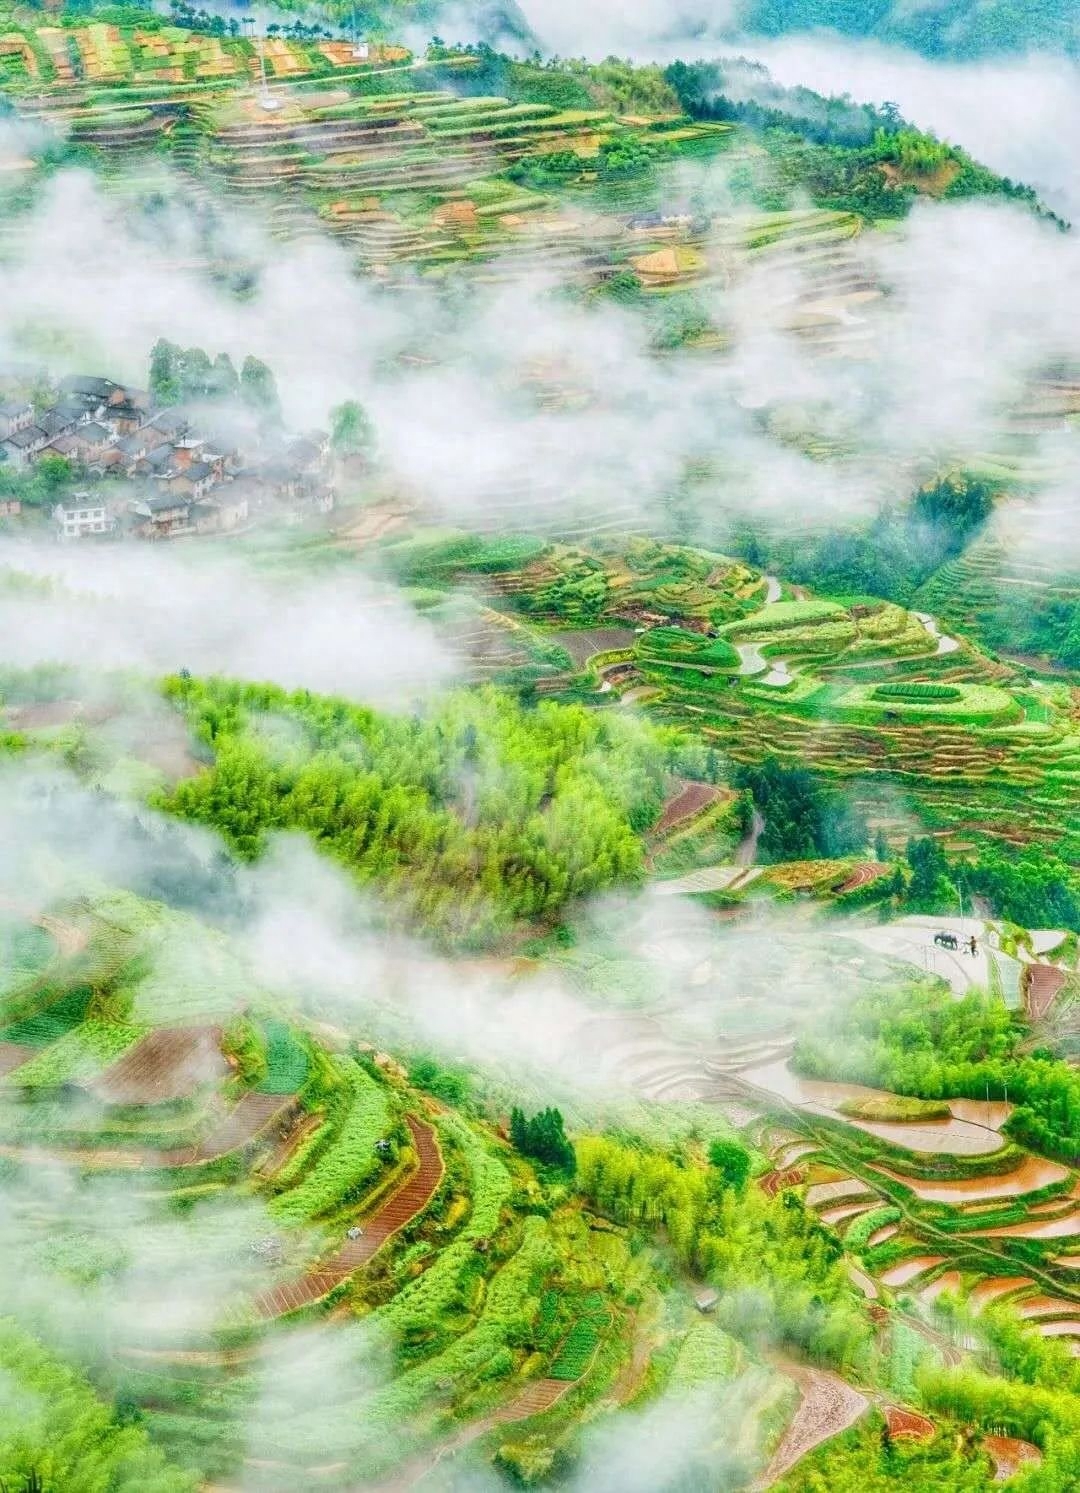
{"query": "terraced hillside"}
{"type": "Point", "coordinates": [304, 1203]}
{"type": "Point", "coordinates": [866, 691]}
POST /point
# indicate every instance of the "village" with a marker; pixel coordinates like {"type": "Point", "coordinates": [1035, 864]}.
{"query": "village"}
{"type": "Point", "coordinates": [128, 465]}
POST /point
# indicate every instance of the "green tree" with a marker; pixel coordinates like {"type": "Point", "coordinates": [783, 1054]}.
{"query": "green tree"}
{"type": "Point", "coordinates": [164, 371]}
{"type": "Point", "coordinates": [258, 388]}
{"type": "Point", "coordinates": [351, 430]}
{"type": "Point", "coordinates": [930, 887]}
{"type": "Point", "coordinates": [732, 1161]}
{"type": "Point", "coordinates": [55, 473]}
{"type": "Point", "coordinates": [543, 1138]}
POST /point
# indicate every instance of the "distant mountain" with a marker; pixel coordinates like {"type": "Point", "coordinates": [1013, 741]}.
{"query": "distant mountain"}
{"type": "Point", "coordinates": [955, 29]}
{"type": "Point", "coordinates": [936, 28]}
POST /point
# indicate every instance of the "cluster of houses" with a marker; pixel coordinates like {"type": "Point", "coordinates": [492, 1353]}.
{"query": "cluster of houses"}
{"type": "Point", "coordinates": [172, 478]}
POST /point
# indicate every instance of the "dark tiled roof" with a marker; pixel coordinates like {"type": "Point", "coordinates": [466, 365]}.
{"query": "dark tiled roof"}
{"type": "Point", "coordinates": [31, 436]}
{"type": "Point", "coordinates": [97, 388]}
{"type": "Point", "coordinates": [53, 422]}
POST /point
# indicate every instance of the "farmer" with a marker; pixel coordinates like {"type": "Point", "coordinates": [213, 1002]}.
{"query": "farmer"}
{"type": "Point", "coordinates": [973, 946]}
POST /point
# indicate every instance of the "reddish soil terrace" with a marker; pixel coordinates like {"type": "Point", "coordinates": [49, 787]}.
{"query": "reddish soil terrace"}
{"type": "Point", "coordinates": [13, 1055]}
{"type": "Point", "coordinates": [1043, 983]}
{"type": "Point", "coordinates": [996, 1286]}
{"type": "Point", "coordinates": [1067, 1327]}
{"type": "Point", "coordinates": [950, 1281]}
{"type": "Point", "coordinates": [907, 1270]}
{"type": "Point", "coordinates": [1009, 1455]}
{"type": "Point", "coordinates": [1045, 1306]}
{"type": "Point", "coordinates": [835, 1215]}
{"type": "Point", "coordinates": [879, 1236]}
{"type": "Point", "coordinates": [401, 1208]}
{"type": "Point", "coordinates": [907, 1423]}
{"type": "Point", "coordinates": [244, 1122]}
{"type": "Point", "coordinates": [167, 1064]}
{"type": "Point", "coordinates": [692, 799]}
{"type": "Point", "coordinates": [861, 876]}
{"type": "Point", "coordinates": [774, 1182]}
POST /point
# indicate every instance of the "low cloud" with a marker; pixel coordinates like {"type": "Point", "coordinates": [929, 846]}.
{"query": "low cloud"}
{"type": "Point", "coordinates": [160, 610]}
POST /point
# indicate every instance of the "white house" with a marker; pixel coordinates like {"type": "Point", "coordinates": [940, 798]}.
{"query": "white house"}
{"type": "Point", "coordinates": [82, 514]}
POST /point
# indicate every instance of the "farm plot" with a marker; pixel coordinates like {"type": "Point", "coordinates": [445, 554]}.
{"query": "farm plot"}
{"type": "Point", "coordinates": [406, 1203]}
{"type": "Point", "coordinates": [976, 704]}
{"type": "Point", "coordinates": [1031, 1175]}
{"type": "Point", "coordinates": [77, 1057]}
{"type": "Point", "coordinates": [351, 1159]}
{"type": "Point", "coordinates": [168, 1064]}
{"type": "Point", "coordinates": [246, 1121]}
{"type": "Point", "coordinates": [827, 1406]}
{"type": "Point", "coordinates": [12, 1055]}
{"type": "Point", "coordinates": [689, 800]}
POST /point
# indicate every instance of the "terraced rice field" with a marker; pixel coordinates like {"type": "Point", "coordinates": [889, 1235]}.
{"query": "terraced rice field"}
{"type": "Point", "coordinates": [1031, 1175]}
{"type": "Point", "coordinates": [997, 1288]}
{"type": "Point", "coordinates": [955, 1137]}
{"type": "Point", "coordinates": [1067, 1227]}
{"type": "Point", "coordinates": [909, 1270]}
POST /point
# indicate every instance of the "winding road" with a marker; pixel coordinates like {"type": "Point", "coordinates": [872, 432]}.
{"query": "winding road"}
{"type": "Point", "coordinates": [944, 644]}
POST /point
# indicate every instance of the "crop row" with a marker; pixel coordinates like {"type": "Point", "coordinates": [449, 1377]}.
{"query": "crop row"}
{"type": "Point", "coordinates": [78, 1055]}
{"type": "Point", "coordinates": [342, 1169]}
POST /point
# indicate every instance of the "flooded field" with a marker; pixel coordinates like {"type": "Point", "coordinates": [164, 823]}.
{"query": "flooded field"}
{"type": "Point", "coordinates": [1032, 1174]}
{"type": "Point", "coordinates": [950, 1281]}
{"type": "Point", "coordinates": [907, 1270]}
{"type": "Point", "coordinates": [1045, 1306]}
{"type": "Point", "coordinates": [879, 1236]}
{"type": "Point", "coordinates": [1048, 1228]}
{"type": "Point", "coordinates": [1067, 1328]}
{"type": "Point", "coordinates": [973, 1130]}
{"type": "Point", "coordinates": [997, 1286]}
{"type": "Point", "coordinates": [833, 1216]}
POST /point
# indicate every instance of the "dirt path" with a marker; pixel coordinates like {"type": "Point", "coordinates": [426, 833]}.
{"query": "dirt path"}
{"type": "Point", "coordinates": [827, 1407]}
{"type": "Point", "coordinates": [400, 1209]}
{"type": "Point", "coordinates": [746, 852]}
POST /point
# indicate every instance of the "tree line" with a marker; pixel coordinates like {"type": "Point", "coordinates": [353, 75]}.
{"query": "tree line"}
{"type": "Point", "coordinates": [470, 817]}
{"type": "Point", "coordinates": [913, 1042]}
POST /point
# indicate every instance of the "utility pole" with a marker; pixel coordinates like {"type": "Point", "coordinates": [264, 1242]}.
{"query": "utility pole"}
{"type": "Point", "coordinates": [360, 49]}
{"type": "Point", "coordinates": [267, 101]}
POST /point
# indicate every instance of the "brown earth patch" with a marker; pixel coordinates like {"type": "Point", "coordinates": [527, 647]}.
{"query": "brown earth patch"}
{"type": "Point", "coordinates": [907, 1423]}
{"type": "Point", "coordinates": [168, 1064]}
{"type": "Point", "coordinates": [1009, 1454]}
